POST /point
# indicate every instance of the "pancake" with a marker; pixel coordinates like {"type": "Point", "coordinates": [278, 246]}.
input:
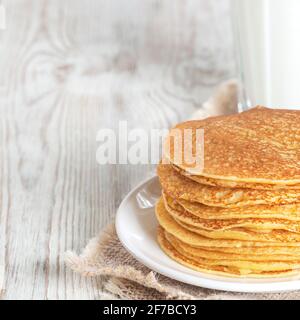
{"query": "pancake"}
{"type": "Point", "coordinates": [195, 239]}
{"type": "Point", "coordinates": [234, 184]}
{"type": "Point", "coordinates": [179, 213]}
{"type": "Point", "coordinates": [244, 234]}
{"type": "Point", "coordinates": [219, 253]}
{"type": "Point", "coordinates": [254, 251]}
{"type": "Point", "coordinates": [257, 146]}
{"type": "Point", "coordinates": [180, 187]}
{"type": "Point", "coordinates": [289, 212]}
{"type": "Point", "coordinates": [241, 264]}
{"type": "Point", "coordinates": [216, 269]}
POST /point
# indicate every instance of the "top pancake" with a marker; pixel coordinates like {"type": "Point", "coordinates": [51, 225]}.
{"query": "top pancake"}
{"type": "Point", "coordinates": [257, 146]}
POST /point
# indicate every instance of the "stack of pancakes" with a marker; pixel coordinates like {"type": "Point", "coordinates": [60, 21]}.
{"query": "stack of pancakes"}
{"type": "Point", "coordinates": [240, 214]}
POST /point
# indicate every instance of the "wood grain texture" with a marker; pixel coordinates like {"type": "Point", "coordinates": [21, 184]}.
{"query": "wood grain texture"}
{"type": "Point", "coordinates": [68, 69]}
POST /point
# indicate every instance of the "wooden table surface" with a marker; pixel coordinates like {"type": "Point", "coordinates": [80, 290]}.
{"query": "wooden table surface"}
{"type": "Point", "coordinates": [67, 69]}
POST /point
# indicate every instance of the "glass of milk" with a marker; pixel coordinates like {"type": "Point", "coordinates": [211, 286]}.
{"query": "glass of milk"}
{"type": "Point", "coordinates": [267, 36]}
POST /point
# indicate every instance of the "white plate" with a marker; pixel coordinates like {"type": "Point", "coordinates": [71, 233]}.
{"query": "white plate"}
{"type": "Point", "coordinates": [136, 226]}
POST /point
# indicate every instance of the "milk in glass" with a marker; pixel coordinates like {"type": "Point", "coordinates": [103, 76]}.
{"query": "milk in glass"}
{"type": "Point", "coordinates": [267, 34]}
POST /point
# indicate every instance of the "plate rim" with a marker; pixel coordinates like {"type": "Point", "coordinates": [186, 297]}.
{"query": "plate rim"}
{"type": "Point", "coordinates": [230, 285]}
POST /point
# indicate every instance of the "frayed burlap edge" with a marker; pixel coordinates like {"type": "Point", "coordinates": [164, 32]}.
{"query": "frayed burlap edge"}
{"type": "Point", "coordinates": [123, 279]}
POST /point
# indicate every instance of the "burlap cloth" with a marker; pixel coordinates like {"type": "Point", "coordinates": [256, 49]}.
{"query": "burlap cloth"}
{"type": "Point", "coordinates": [126, 278]}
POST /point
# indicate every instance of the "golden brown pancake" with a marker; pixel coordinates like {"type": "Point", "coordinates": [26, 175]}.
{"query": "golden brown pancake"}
{"type": "Point", "coordinates": [257, 224]}
{"type": "Point", "coordinates": [219, 254]}
{"type": "Point", "coordinates": [180, 187]}
{"type": "Point", "coordinates": [254, 251]}
{"type": "Point", "coordinates": [216, 269]}
{"type": "Point", "coordinates": [234, 184]}
{"type": "Point", "coordinates": [283, 238]}
{"type": "Point", "coordinates": [257, 146]}
{"type": "Point", "coordinates": [244, 234]}
{"type": "Point", "coordinates": [288, 212]}
{"type": "Point", "coordinates": [239, 215]}
{"type": "Point", "coordinates": [242, 264]}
